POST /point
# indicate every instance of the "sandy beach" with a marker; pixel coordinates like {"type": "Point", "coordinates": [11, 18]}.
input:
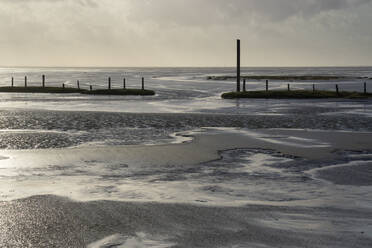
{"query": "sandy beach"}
{"type": "Point", "coordinates": [186, 203]}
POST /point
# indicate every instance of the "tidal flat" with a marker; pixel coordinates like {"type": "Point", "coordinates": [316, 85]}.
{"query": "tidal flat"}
{"type": "Point", "coordinates": [184, 167]}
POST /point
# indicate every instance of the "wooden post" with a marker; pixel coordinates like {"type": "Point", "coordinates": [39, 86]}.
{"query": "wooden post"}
{"type": "Point", "coordinates": [43, 80]}
{"type": "Point", "coordinates": [337, 89]}
{"type": "Point", "coordinates": [238, 67]}
{"type": "Point", "coordinates": [90, 87]}
{"type": "Point", "coordinates": [78, 84]}
{"type": "Point", "coordinates": [12, 82]}
{"type": "Point", "coordinates": [25, 81]}
{"type": "Point", "coordinates": [365, 88]}
{"type": "Point", "coordinates": [143, 83]}
{"type": "Point", "coordinates": [313, 88]}
{"type": "Point", "coordinates": [63, 85]}
{"type": "Point", "coordinates": [244, 85]}
{"type": "Point", "coordinates": [109, 83]}
{"type": "Point", "coordinates": [267, 85]}
{"type": "Point", "coordinates": [289, 87]}
{"type": "Point", "coordinates": [124, 86]}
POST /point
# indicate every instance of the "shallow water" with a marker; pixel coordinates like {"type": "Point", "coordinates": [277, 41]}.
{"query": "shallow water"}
{"type": "Point", "coordinates": [233, 197]}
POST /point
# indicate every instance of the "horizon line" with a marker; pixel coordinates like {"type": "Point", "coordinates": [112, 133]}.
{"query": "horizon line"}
{"type": "Point", "coordinates": [234, 66]}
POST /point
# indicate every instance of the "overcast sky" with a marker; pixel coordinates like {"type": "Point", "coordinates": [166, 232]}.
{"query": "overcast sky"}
{"type": "Point", "coordinates": [185, 32]}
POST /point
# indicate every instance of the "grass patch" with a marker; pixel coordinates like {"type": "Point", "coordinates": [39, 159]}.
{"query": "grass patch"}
{"type": "Point", "coordinates": [32, 89]}
{"type": "Point", "coordinates": [121, 92]}
{"type": "Point", "coordinates": [56, 90]}
{"type": "Point", "coordinates": [282, 77]}
{"type": "Point", "coordinates": [295, 94]}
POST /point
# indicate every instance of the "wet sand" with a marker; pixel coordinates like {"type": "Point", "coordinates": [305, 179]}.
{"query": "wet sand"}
{"type": "Point", "coordinates": [50, 221]}
{"type": "Point", "coordinates": [54, 221]}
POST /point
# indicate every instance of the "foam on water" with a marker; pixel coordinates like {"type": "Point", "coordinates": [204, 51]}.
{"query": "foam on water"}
{"type": "Point", "coordinates": [277, 139]}
{"type": "Point", "coordinates": [357, 172]}
{"type": "Point", "coordinates": [141, 240]}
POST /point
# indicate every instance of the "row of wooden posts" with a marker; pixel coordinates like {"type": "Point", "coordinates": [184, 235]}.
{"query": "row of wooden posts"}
{"type": "Point", "coordinates": [289, 87]}
{"type": "Point", "coordinates": [78, 83]}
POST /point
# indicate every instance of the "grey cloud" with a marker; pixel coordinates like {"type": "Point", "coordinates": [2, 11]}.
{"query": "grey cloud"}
{"type": "Point", "coordinates": [192, 12]}
{"type": "Point", "coordinates": [217, 11]}
{"type": "Point", "coordinates": [184, 32]}
{"type": "Point", "coordinates": [88, 3]}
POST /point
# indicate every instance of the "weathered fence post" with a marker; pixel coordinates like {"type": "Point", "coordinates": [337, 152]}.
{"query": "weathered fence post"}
{"type": "Point", "coordinates": [43, 80]}
{"type": "Point", "coordinates": [109, 83]}
{"type": "Point", "coordinates": [267, 85]}
{"type": "Point", "coordinates": [238, 67]}
{"type": "Point", "coordinates": [337, 89]}
{"type": "Point", "coordinates": [289, 87]}
{"type": "Point", "coordinates": [90, 87]}
{"type": "Point", "coordinates": [25, 81]}
{"type": "Point", "coordinates": [78, 84]}
{"type": "Point", "coordinates": [124, 86]}
{"type": "Point", "coordinates": [365, 88]}
{"type": "Point", "coordinates": [143, 83]}
{"type": "Point", "coordinates": [12, 82]}
{"type": "Point", "coordinates": [244, 85]}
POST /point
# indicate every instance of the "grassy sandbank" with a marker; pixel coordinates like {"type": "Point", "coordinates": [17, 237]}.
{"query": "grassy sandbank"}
{"type": "Point", "coordinates": [56, 90]}
{"type": "Point", "coordinates": [295, 94]}
{"type": "Point", "coordinates": [33, 89]}
{"type": "Point", "coordinates": [122, 92]}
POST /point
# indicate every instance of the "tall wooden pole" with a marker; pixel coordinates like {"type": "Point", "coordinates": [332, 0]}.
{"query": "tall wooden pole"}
{"type": "Point", "coordinates": [25, 81]}
{"type": "Point", "coordinates": [124, 86]}
{"type": "Point", "coordinates": [365, 87]}
{"type": "Point", "coordinates": [143, 83]}
{"type": "Point", "coordinates": [109, 83]}
{"type": "Point", "coordinates": [12, 81]}
{"type": "Point", "coordinates": [238, 67]}
{"type": "Point", "coordinates": [43, 80]}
